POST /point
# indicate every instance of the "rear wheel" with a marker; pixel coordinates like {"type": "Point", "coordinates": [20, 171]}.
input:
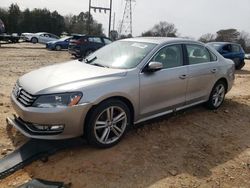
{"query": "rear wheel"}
{"type": "Point", "coordinates": [34, 40]}
{"type": "Point", "coordinates": [240, 65]}
{"type": "Point", "coordinates": [58, 48]}
{"type": "Point", "coordinates": [107, 123]}
{"type": "Point", "coordinates": [217, 95]}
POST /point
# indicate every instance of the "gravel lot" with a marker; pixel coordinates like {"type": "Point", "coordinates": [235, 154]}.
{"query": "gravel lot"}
{"type": "Point", "coordinates": [193, 148]}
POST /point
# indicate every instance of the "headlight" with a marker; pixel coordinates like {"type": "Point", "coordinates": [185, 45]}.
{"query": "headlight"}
{"type": "Point", "coordinates": [58, 100]}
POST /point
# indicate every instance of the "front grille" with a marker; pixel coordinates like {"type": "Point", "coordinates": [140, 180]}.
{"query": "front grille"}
{"type": "Point", "coordinates": [23, 96]}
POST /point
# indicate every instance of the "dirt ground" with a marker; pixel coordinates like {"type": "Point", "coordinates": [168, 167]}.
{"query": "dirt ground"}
{"type": "Point", "coordinates": [193, 148]}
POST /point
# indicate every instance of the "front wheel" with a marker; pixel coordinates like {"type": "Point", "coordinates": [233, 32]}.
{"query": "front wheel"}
{"type": "Point", "coordinates": [34, 40]}
{"type": "Point", "coordinates": [107, 123]}
{"type": "Point", "coordinates": [217, 96]}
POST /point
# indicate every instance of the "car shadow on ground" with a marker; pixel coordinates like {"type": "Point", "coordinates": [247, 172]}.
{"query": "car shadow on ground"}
{"type": "Point", "coordinates": [242, 72]}
{"type": "Point", "coordinates": [193, 141]}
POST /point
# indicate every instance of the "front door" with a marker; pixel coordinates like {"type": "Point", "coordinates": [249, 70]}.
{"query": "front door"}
{"type": "Point", "coordinates": [165, 89]}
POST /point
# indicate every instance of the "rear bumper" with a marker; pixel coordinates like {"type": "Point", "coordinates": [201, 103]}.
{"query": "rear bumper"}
{"type": "Point", "coordinates": [72, 118]}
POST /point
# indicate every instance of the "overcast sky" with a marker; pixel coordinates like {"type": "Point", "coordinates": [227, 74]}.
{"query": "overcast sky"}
{"type": "Point", "coordinates": [191, 17]}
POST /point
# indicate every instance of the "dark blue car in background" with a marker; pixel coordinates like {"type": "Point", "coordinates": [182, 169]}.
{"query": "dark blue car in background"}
{"type": "Point", "coordinates": [58, 45]}
{"type": "Point", "coordinates": [231, 51]}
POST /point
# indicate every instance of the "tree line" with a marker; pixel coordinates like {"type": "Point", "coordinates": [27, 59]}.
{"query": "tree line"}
{"type": "Point", "coordinates": [39, 20]}
{"type": "Point", "coordinates": [165, 29]}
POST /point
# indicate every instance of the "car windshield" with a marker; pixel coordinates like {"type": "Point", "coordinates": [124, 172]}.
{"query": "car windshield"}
{"type": "Point", "coordinates": [120, 54]}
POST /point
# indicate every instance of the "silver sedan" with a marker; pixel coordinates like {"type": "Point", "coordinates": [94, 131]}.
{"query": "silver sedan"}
{"type": "Point", "coordinates": [123, 83]}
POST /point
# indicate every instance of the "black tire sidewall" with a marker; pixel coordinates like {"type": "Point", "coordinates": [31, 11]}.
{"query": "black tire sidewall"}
{"type": "Point", "coordinates": [89, 126]}
{"type": "Point", "coordinates": [34, 40]}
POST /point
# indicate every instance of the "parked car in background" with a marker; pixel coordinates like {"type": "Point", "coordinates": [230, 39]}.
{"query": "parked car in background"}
{"type": "Point", "coordinates": [231, 51]}
{"type": "Point", "coordinates": [83, 45]}
{"type": "Point", "coordinates": [41, 37]}
{"type": "Point", "coordinates": [124, 83]}
{"type": "Point", "coordinates": [247, 56]}
{"type": "Point", "coordinates": [58, 45]}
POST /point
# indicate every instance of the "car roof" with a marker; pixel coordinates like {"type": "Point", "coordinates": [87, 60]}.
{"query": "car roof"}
{"type": "Point", "coordinates": [159, 40]}
{"type": "Point", "coordinates": [223, 43]}
{"type": "Point", "coordinates": [76, 34]}
{"type": "Point", "coordinates": [42, 33]}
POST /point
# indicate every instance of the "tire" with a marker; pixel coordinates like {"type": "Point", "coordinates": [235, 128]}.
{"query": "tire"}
{"type": "Point", "coordinates": [240, 65]}
{"type": "Point", "coordinates": [101, 128]}
{"type": "Point", "coordinates": [58, 48]}
{"type": "Point", "coordinates": [34, 40]}
{"type": "Point", "coordinates": [217, 95]}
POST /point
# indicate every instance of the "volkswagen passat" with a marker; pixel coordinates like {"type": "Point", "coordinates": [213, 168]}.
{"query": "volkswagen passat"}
{"type": "Point", "coordinates": [123, 83]}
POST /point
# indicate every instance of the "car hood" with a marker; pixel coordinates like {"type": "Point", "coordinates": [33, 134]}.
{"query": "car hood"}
{"type": "Point", "coordinates": [65, 77]}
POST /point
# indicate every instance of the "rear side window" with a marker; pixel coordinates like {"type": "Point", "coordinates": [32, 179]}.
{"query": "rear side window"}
{"type": "Point", "coordinates": [227, 48]}
{"type": "Point", "coordinates": [197, 54]}
{"type": "Point", "coordinates": [95, 39]}
{"type": "Point", "coordinates": [107, 41]}
{"type": "Point", "coordinates": [76, 37]}
{"type": "Point", "coordinates": [235, 48]}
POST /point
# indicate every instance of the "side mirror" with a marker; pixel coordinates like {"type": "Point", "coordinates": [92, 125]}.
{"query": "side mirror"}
{"type": "Point", "coordinates": [154, 66]}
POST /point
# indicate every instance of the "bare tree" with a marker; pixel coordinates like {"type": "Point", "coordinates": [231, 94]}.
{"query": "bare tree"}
{"type": "Point", "coordinates": [163, 29]}
{"type": "Point", "coordinates": [209, 37]}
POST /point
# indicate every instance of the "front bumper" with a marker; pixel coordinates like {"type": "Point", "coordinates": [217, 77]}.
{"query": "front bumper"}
{"type": "Point", "coordinates": [72, 118]}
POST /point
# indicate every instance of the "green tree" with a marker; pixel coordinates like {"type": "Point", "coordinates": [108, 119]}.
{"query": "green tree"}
{"type": "Point", "coordinates": [14, 19]}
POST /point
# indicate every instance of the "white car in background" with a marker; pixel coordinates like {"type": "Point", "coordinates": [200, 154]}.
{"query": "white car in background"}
{"type": "Point", "coordinates": [247, 56]}
{"type": "Point", "coordinates": [41, 37]}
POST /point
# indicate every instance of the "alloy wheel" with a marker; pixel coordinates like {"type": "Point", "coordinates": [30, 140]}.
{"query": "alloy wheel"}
{"type": "Point", "coordinates": [110, 125]}
{"type": "Point", "coordinates": [218, 95]}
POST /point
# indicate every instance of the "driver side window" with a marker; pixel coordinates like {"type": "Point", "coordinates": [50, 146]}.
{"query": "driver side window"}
{"type": "Point", "coordinates": [170, 56]}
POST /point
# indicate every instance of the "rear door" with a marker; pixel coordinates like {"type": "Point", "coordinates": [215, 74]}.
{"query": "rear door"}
{"type": "Point", "coordinates": [95, 43]}
{"type": "Point", "coordinates": [42, 38]}
{"type": "Point", "coordinates": [165, 89]}
{"type": "Point", "coordinates": [202, 71]}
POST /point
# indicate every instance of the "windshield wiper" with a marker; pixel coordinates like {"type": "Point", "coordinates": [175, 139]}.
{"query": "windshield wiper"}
{"type": "Point", "coordinates": [89, 61]}
{"type": "Point", "coordinates": [97, 64]}
{"type": "Point", "coordinates": [86, 60]}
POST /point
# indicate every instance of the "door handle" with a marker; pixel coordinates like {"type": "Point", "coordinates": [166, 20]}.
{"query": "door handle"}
{"type": "Point", "coordinates": [213, 70]}
{"type": "Point", "coordinates": [184, 76]}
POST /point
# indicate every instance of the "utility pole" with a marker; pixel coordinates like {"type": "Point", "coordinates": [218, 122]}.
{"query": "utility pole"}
{"type": "Point", "coordinates": [100, 10]}
{"type": "Point", "coordinates": [114, 22]}
{"type": "Point", "coordinates": [89, 17]}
